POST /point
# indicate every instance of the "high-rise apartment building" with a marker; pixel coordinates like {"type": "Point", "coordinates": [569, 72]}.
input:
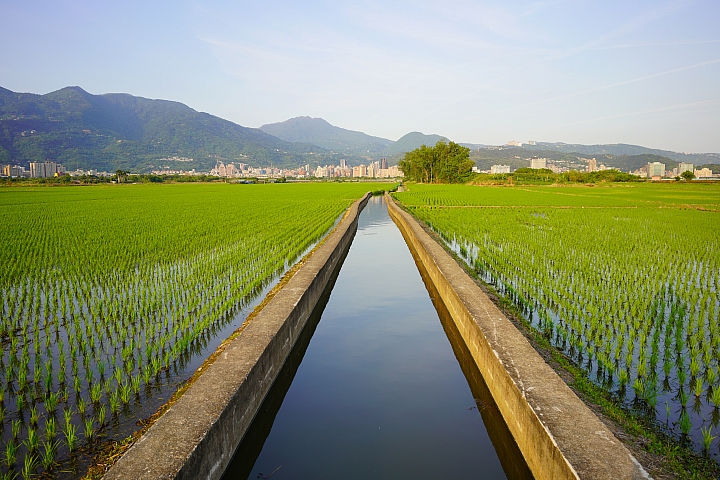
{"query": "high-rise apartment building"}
{"type": "Point", "coordinates": [655, 169]}
{"type": "Point", "coordinates": [537, 163]}
{"type": "Point", "coordinates": [44, 169]}
{"type": "Point", "coordinates": [685, 167]}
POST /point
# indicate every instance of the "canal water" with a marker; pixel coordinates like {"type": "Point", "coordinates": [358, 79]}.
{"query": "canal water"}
{"type": "Point", "coordinates": [379, 385]}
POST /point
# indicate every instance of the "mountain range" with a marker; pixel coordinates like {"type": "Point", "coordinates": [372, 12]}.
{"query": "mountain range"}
{"type": "Point", "coordinates": [121, 131]}
{"type": "Point", "coordinates": [319, 132]}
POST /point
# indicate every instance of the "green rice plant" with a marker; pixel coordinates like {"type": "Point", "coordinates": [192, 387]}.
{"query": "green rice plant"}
{"type": "Point", "coordinates": [96, 392]}
{"type": "Point", "coordinates": [32, 441]}
{"type": "Point", "coordinates": [685, 424]}
{"type": "Point", "coordinates": [125, 390]}
{"type": "Point", "coordinates": [51, 402]}
{"type": "Point", "coordinates": [698, 387]}
{"type": "Point", "coordinates": [70, 433]}
{"type": "Point", "coordinates": [89, 430]}
{"type": "Point", "coordinates": [10, 453]}
{"type": "Point", "coordinates": [16, 428]}
{"type": "Point", "coordinates": [50, 428]}
{"type": "Point", "coordinates": [715, 397]}
{"type": "Point", "coordinates": [707, 437]}
{"type": "Point", "coordinates": [114, 402]}
{"type": "Point", "coordinates": [101, 416]}
{"type": "Point", "coordinates": [50, 450]}
{"type": "Point", "coordinates": [627, 312]}
{"type": "Point", "coordinates": [33, 415]}
{"type": "Point", "coordinates": [29, 465]}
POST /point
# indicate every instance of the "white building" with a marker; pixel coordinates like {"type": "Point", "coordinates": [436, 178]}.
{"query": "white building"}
{"type": "Point", "coordinates": [500, 169]}
{"type": "Point", "coordinates": [703, 173]}
{"type": "Point", "coordinates": [592, 165]}
{"type": "Point", "coordinates": [45, 169]}
{"type": "Point", "coordinates": [685, 167]}
{"type": "Point", "coordinates": [655, 169]}
{"type": "Point", "coordinates": [537, 163]}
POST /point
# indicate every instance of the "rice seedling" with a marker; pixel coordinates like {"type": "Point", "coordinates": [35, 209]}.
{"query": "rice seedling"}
{"type": "Point", "coordinates": [89, 430]}
{"type": "Point", "coordinates": [50, 449]}
{"type": "Point", "coordinates": [93, 309]}
{"type": "Point", "coordinates": [707, 437]}
{"type": "Point", "coordinates": [590, 272]}
{"type": "Point", "coordinates": [10, 453]}
{"type": "Point", "coordinates": [29, 465]}
{"type": "Point", "coordinates": [70, 433]}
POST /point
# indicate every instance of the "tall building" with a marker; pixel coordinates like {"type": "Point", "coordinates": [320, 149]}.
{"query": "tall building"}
{"type": "Point", "coordinates": [685, 167]}
{"type": "Point", "coordinates": [703, 173]}
{"type": "Point", "coordinates": [13, 171]}
{"type": "Point", "coordinates": [592, 165]}
{"type": "Point", "coordinates": [537, 163]}
{"type": "Point", "coordinates": [383, 163]}
{"type": "Point", "coordinates": [43, 169]}
{"type": "Point", "coordinates": [343, 163]}
{"type": "Point", "coordinates": [655, 169]}
{"type": "Point", "coordinates": [500, 169]}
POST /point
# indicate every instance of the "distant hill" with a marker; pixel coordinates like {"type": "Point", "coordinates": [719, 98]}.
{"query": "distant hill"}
{"type": "Point", "coordinates": [620, 149]}
{"type": "Point", "coordinates": [112, 131]}
{"type": "Point", "coordinates": [319, 132]}
{"type": "Point", "coordinates": [411, 141]}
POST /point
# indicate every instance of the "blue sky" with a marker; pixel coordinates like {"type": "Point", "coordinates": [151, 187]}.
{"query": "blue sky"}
{"type": "Point", "coordinates": [574, 71]}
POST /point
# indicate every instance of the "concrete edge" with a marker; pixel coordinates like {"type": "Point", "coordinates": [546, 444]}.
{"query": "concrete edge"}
{"type": "Point", "coordinates": [197, 436]}
{"type": "Point", "coordinates": [558, 435]}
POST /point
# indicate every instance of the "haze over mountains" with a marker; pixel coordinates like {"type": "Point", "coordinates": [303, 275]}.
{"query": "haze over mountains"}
{"type": "Point", "coordinates": [121, 131]}
{"type": "Point", "coordinates": [319, 132]}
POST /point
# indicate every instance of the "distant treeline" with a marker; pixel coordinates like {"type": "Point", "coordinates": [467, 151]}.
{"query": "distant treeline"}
{"type": "Point", "coordinates": [92, 180]}
{"type": "Point", "coordinates": [544, 176]}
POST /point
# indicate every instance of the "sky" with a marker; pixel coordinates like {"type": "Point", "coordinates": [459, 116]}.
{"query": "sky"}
{"type": "Point", "coordinates": [573, 71]}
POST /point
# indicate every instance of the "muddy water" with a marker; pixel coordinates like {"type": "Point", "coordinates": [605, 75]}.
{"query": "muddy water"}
{"type": "Point", "coordinates": [379, 385]}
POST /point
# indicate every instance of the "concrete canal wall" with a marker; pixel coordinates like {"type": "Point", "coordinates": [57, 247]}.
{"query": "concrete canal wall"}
{"type": "Point", "coordinates": [558, 435]}
{"type": "Point", "coordinates": [197, 436]}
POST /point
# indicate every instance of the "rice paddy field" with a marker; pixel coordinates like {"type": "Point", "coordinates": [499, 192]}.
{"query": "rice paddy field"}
{"type": "Point", "coordinates": [111, 296]}
{"type": "Point", "coordinates": [625, 279]}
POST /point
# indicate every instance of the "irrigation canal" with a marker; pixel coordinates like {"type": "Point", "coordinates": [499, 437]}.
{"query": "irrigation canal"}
{"type": "Point", "coordinates": [379, 384]}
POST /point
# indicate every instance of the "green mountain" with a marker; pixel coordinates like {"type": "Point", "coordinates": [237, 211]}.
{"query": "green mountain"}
{"type": "Point", "coordinates": [112, 131]}
{"type": "Point", "coordinates": [358, 145]}
{"type": "Point", "coordinates": [319, 132]}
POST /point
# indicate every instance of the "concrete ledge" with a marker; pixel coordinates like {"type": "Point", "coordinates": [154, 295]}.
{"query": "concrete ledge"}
{"type": "Point", "coordinates": [197, 436]}
{"type": "Point", "coordinates": [558, 435]}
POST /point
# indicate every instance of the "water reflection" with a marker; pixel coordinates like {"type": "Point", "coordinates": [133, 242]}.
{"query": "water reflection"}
{"type": "Point", "coordinates": [379, 392]}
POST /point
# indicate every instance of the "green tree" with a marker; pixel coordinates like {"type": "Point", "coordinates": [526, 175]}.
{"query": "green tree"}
{"type": "Point", "coordinates": [443, 163]}
{"type": "Point", "coordinates": [121, 175]}
{"type": "Point", "coordinates": [687, 175]}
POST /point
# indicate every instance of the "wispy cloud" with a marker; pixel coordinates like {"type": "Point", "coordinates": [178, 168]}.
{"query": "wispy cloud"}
{"type": "Point", "coordinates": [681, 108]}
{"type": "Point", "coordinates": [596, 89]}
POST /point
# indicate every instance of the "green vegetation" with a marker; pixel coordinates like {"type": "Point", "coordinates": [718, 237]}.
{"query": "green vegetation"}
{"type": "Point", "coordinates": [443, 163]}
{"type": "Point", "coordinates": [545, 176]}
{"type": "Point", "coordinates": [104, 290]}
{"type": "Point", "coordinates": [120, 131]}
{"type": "Point", "coordinates": [624, 279]}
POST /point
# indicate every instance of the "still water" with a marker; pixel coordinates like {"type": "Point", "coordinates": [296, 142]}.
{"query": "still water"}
{"type": "Point", "coordinates": [378, 385]}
